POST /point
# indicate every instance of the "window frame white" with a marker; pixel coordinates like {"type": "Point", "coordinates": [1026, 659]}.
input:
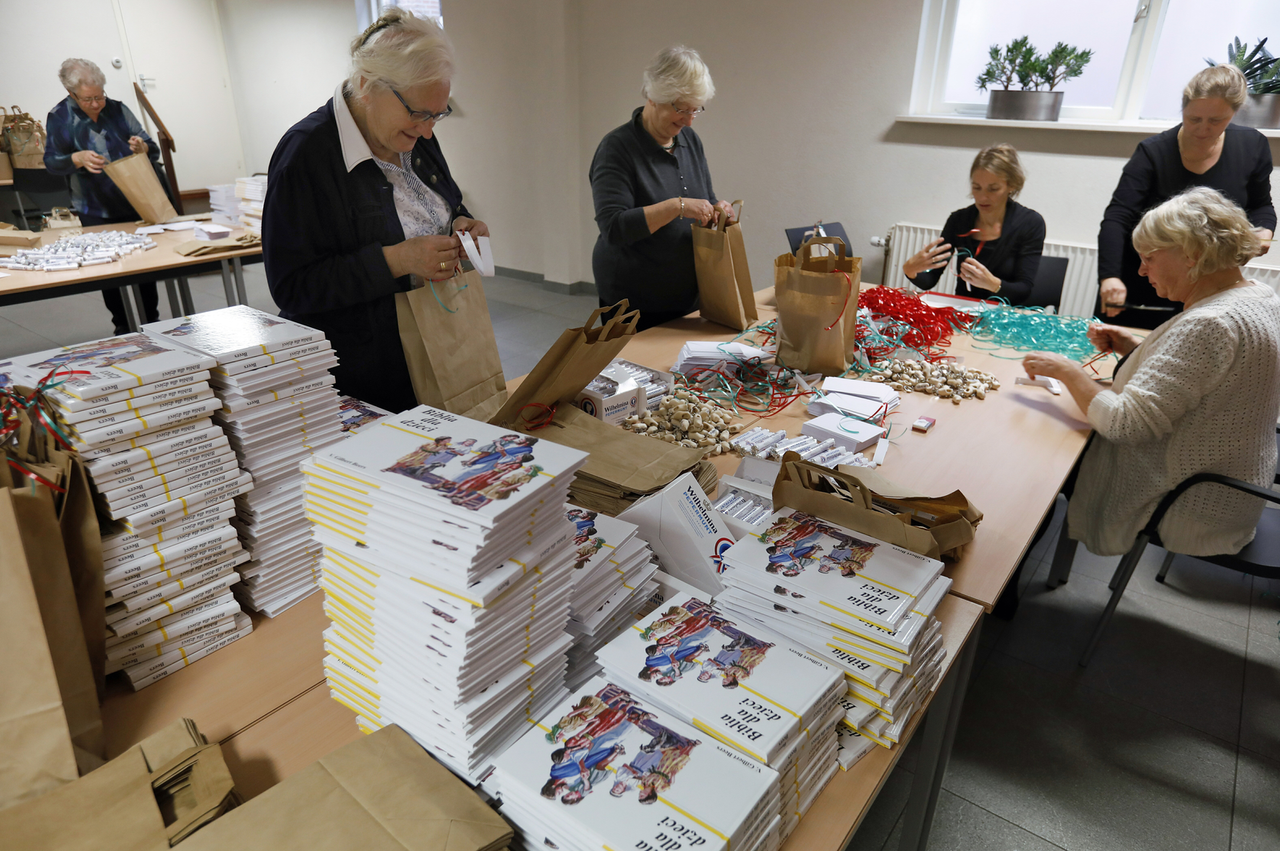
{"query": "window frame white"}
{"type": "Point", "coordinates": [933, 58]}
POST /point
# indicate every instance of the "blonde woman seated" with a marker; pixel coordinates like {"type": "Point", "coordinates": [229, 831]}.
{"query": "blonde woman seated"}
{"type": "Point", "coordinates": [998, 241]}
{"type": "Point", "coordinates": [1200, 394]}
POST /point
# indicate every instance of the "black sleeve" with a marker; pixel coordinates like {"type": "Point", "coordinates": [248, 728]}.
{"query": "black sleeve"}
{"type": "Point", "coordinates": [1259, 208]}
{"type": "Point", "coordinates": [619, 215]}
{"type": "Point", "coordinates": [928, 279]}
{"type": "Point", "coordinates": [1028, 247]}
{"type": "Point", "coordinates": [1127, 205]}
{"type": "Point", "coordinates": [299, 224]}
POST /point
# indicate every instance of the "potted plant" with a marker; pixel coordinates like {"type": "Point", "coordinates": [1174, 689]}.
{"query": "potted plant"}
{"type": "Point", "coordinates": [1037, 76]}
{"type": "Point", "coordinates": [1262, 71]}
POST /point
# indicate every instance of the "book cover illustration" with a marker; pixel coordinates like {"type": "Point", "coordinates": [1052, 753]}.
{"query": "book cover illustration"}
{"type": "Point", "coordinates": [234, 333]}
{"type": "Point", "coordinates": [796, 542]}
{"type": "Point", "coordinates": [352, 413]}
{"type": "Point", "coordinates": [681, 643]}
{"type": "Point", "coordinates": [480, 475]}
{"type": "Point", "coordinates": [116, 363]}
{"type": "Point", "coordinates": [592, 740]}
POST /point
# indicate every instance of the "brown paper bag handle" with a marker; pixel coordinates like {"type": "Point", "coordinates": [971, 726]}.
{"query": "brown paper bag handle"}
{"type": "Point", "coordinates": [807, 475]}
{"type": "Point", "coordinates": [737, 217]}
{"type": "Point", "coordinates": [805, 255]}
{"type": "Point", "coordinates": [606, 329]}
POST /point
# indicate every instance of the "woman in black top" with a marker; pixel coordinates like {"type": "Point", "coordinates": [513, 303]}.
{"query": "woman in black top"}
{"type": "Point", "coordinates": [647, 177]}
{"type": "Point", "coordinates": [998, 241]}
{"type": "Point", "coordinates": [1204, 150]}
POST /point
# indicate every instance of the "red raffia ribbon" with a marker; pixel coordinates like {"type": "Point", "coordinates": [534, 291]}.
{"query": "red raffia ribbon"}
{"type": "Point", "coordinates": [35, 476]}
{"type": "Point", "coordinates": [847, 295]}
{"type": "Point", "coordinates": [540, 420]}
{"type": "Point", "coordinates": [927, 329]}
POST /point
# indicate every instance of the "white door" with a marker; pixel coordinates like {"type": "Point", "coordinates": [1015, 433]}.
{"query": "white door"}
{"type": "Point", "coordinates": [176, 45]}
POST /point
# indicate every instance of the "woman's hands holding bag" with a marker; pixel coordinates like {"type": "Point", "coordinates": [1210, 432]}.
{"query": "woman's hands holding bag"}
{"type": "Point", "coordinates": [434, 258]}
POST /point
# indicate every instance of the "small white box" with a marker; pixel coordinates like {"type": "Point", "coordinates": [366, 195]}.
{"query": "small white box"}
{"type": "Point", "coordinates": [686, 533]}
{"type": "Point", "coordinates": [854, 435]}
{"type": "Point", "coordinates": [874, 390]}
{"type": "Point", "coordinates": [211, 231]}
{"type": "Point", "coordinates": [623, 389]}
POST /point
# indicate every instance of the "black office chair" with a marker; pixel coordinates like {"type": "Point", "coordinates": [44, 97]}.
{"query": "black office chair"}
{"type": "Point", "coordinates": [45, 190]}
{"type": "Point", "coordinates": [1261, 557]}
{"type": "Point", "coordinates": [1046, 289]}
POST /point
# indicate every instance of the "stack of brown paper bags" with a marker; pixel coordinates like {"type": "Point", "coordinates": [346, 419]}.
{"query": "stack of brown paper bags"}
{"type": "Point", "coordinates": [203, 247]}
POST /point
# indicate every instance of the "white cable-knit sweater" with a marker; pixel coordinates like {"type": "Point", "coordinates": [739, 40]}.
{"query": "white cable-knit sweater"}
{"type": "Point", "coordinates": [1201, 394]}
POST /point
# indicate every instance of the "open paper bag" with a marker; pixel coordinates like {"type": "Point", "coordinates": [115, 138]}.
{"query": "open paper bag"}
{"type": "Point", "coordinates": [136, 177]}
{"type": "Point", "coordinates": [817, 308]}
{"type": "Point", "coordinates": [543, 403]}
{"type": "Point", "coordinates": [725, 294]}
{"type": "Point", "coordinates": [864, 501]}
{"type": "Point", "coordinates": [450, 348]}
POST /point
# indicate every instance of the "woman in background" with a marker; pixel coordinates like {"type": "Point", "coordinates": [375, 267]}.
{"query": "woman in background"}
{"type": "Point", "coordinates": [1206, 149]}
{"type": "Point", "coordinates": [648, 176]}
{"type": "Point", "coordinates": [997, 240]}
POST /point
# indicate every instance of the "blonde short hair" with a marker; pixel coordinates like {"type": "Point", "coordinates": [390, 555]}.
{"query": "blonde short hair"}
{"type": "Point", "coordinates": [1205, 226]}
{"type": "Point", "coordinates": [1220, 81]}
{"type": "Point", "coordinates": [1001, 159]}
{"type": "Point", "coordinates": [400, 51]}
{"type": "Point", "coordinates": [678, 73]}
{"type": "Point", "coordinates": [75, 73]}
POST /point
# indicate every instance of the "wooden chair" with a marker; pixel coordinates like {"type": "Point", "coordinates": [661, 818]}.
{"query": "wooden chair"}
{"type": "Point", "coordinates": [1261, 557]}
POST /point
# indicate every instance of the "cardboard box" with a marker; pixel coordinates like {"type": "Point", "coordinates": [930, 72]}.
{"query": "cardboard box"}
{"type": "Point", "coordinates": [19, 238]}
{"type": "Point", "coordinates": [616, 393]}
{"type": "Point", "coordinates": [688, 535]}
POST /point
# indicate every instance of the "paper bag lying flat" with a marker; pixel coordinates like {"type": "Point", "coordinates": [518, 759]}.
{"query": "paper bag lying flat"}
{"type": "Point", "coordinates": [382, 792]}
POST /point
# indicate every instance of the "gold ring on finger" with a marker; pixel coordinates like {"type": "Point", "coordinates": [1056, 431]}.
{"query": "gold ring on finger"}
{"type": "Point", "coordinates": [443, 265]}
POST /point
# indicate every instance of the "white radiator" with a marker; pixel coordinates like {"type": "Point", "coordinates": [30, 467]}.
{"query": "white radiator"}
{"type": "Point", "coordinates": [1079, 291]}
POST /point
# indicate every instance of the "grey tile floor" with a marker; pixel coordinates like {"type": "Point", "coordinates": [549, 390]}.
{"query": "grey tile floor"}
{"type": "Point", "coordinates": [1169, 740]}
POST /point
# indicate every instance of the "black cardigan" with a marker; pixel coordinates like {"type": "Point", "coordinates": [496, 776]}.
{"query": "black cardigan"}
{"type": "Point", "coordinates": [1153, 175]}
{"type": "Point", "coordinates": [1014, 258]}
{"type": "Point", "coordinates": [631, 171]}
{"type": "Point", "coordinates": [323, 230]}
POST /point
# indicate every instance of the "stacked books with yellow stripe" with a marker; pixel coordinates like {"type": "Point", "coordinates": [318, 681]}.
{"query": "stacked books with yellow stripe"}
{"type": "Point", "coordinates": [277, 404]}
{"type": "Point", "coordinates": [137, 410]}
{"type": "Point", "coordinates": [447, 573]}
{"type": "Point", "coordinates": [613, 576]}
{"type": "Point", "coordinates": [863, 606]}
{"type": "Point", "coordinates": [610, 768]}
{"type": "Point", "coordinates": [740, 684]}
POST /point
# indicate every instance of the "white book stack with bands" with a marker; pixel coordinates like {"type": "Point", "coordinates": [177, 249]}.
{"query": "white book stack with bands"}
{"type": "Point", "coordinates": [609, 768]}
{"type": "Point", "coordinates": [863, 606]}
{"type": "Point", "coordinates": [447, 577]}
{"type": "Point", "coordinates": [739, 683]}
{"type": "Point", "coordinates": [613, 578]}
{"type": "Point", "coordinates": [277, 403]}
{"type": "Point", "coordinates": [163, 474]}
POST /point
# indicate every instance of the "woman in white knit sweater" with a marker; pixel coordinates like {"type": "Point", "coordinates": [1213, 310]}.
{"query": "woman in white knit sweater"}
{"type": "Point", "coordinates": [1200, 394]}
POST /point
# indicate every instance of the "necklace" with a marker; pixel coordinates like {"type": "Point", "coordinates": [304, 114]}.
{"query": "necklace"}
{"type": "Point", "coordinates": [671, 147]}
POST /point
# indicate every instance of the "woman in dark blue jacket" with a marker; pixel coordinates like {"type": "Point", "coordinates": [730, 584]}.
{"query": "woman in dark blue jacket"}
{"type": "Point", "coordinates": [360, 204]}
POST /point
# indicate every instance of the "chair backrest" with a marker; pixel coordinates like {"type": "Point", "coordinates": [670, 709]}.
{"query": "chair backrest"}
{"type": "Point", "coordinates": [1046, 289]}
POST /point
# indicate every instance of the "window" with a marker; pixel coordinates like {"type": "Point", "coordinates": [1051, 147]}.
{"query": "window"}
{"type": "Point", "coordinates": [1144, 51]}
{"type": "Point", "coordinates": [367, 11]}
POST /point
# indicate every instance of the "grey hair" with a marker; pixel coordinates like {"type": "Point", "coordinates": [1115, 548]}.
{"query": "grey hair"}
{"type": "Point", "coordinates": [1205, 226]}
{"type": "Point", "coordinates": [75, 73]}
{"type": "Point", "coordinates": [678, 73]}
{"type": "Point", "coordinates": [400, 51]}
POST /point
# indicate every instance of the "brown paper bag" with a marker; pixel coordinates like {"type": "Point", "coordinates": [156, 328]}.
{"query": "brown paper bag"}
{"type": "Point", "coordinates": [817, 308]}
{"type": "Point", "coordinates": [863, 500]}
{"type": "Point", "coordinates": [622, 459]}
{"type": "Point", "coordinates": [24, 137]}
{"type": "Point", "coordinates": [83, 542]}
{"type": "Point", "coordinates": [450, 348]}
{"type": "Point", "coordinates": [382, 792]}
{"type": "Point", "coordinates": [724, 280]}
{"type": "Point", "coordinates": [136, 177]}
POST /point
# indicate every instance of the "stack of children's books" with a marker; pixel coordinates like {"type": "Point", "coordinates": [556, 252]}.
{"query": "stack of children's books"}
{"type": "Point", "coordinates": [741, 684]}
{"type": "Point", "coordinates": [225, 204]}
{"type": "Point", "coordinates": [863, 606]}
{"type": "Point", "coordinates": [447, 576]}
{"type": "Point", "coordinates": [277, 404]}
{"type": "Point", "coordinates": [138, 412]}
{"type": "Point", "coordinates": [610, 768]}
{"type": "Point", "coordinates": [613, 575]}
{"type": "Point", "coordinates": [353, 414]}
{"type": "Point", "coordinates": [252, 193]}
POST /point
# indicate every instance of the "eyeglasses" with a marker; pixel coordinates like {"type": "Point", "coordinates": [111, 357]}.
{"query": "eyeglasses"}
{"type": "Point", "coordinates": [421, 117]}
{"type": "Point", "coordinates": [96, 99]}
{"type": "Point", "coordinates": [691, 113]}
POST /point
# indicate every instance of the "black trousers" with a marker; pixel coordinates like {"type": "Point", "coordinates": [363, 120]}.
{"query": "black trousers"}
{"type": "Point", "coordinates": [115, 298]}
{"type": "Point", "coordinates": [647, 320]}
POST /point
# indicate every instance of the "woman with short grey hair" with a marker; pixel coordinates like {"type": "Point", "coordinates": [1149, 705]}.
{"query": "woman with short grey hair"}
{"type": "Point", "coordinates": [86, 130]}
{"type": "Point", "coordinates": [1201, 394]}
{"type": "Point", "coordinates": [361, 205]}
{"type": "Point", "coordinates": [647, 177]}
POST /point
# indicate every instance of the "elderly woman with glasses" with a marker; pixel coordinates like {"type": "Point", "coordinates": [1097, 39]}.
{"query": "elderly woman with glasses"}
{"type": "Point", "coordinates": [647, 178]}
{"type": "Point", "coordinates": [85, 132]}
{"type": "Point", "coordinates": [360, 204]}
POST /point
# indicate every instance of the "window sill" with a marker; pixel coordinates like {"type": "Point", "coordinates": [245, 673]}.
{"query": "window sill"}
{"type": "Point", "coordinates": [1145, 128]}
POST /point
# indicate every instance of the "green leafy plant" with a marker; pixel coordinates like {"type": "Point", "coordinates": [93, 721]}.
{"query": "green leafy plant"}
{"type": "Point", "coordinates": [1261, 69]}
{"type": "Point", "coordinates": [1021, 61]}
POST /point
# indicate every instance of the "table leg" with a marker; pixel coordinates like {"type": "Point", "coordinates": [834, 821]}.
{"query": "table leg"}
{"type": "Point", "coordinates": [238, 270]}
{"type": "Point", "coordinates": [188, 303]}
{"type": "Point", "coordinates": [127, 300]}
{"type": "Point", "coordinates": [935, 752]}
{"type": "Point", "coordinates": [175, 303]}
{"type": "Point", "coordinates": [227, 286]}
